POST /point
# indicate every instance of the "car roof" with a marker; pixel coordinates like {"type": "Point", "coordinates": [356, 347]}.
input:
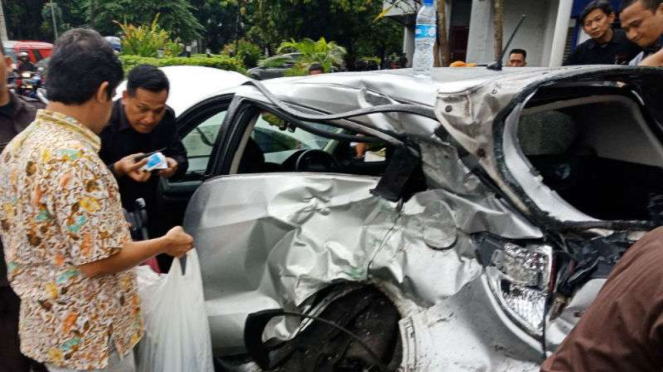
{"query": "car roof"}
{"type": "Point", "coordinates": [190, 85]}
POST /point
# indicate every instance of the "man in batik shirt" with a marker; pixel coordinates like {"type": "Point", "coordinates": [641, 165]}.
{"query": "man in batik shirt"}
{"type": "Point", "coordinates": [68, 250]}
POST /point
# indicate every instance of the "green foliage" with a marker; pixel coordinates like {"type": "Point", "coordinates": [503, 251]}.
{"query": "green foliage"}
{"type": "Point", "coordinates": [146, 40]}
{"type": "Point", "coordinates": [327, 54]}
{"type": "Point", "coordinates": [220, 62]}
{"type": "Point", "coordinates": [176, 16]}
{"type": "Point", "coordinates": [355, 24]}
{"type": "Point", "coordinates": [47, 25]}
{"type": "Point", "coordinates": [219, 18]}
{"type": "Point", "coordinates": [358, 25]}
{"type": "Point", "coordinates": [248, 52]}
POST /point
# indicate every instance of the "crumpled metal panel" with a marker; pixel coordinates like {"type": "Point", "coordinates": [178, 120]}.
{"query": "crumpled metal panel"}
{"type": "Point", "coordinates": [429, 253]}
{"type": "Point", "coordinates": [467, 332]}
{"type": "Point", "coordinates": [347, 92]}
{"type": "Point", "coordinates": [444, 169]}
{"type": "Point", "coordinates": [268, 241]}
{"type": "Point", "coordinates": [271, 241]}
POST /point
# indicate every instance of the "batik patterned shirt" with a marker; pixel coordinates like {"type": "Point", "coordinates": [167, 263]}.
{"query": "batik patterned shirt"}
{"type": "Point", "coordinates": [60, 209]}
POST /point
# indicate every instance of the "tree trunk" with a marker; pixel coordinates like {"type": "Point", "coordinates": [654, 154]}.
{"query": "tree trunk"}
{"type": "Point", "coordinates": [499, 27]}
{"type": "Point", "coordinates": [442, 38]}
{"type": "Point", "coordinates": [93, 13]}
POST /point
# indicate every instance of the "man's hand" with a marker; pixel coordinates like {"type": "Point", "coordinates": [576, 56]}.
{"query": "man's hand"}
{"type": "Point", "coordinates": [654, 60]}
{"type": "Point", "coordinates": [178, 242]}
{"type": "Point", "coordinates": [128, 166]}
{"type": "Point", "coordinates": [172, 168]}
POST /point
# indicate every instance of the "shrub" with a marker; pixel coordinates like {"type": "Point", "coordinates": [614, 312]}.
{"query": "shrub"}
{"type": "Point", "coordinates": [248, 52]}
{"type": "Point", "coordinates": [146, 40]}
{"type": "Point", "coordinates": [220, 62]}
{"type": "Point", "coordinates": [327, 54]}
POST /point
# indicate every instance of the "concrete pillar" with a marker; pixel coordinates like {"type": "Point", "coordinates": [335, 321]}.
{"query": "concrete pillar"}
{"type": "Point", "coordinates": [408, 44]}
{"type": "Point", "coordinates": [3, 25]}
{"type": "Point", "coordinates": [561, 31]}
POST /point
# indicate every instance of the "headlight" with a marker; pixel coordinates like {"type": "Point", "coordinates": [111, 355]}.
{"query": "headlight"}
{"type": "Point", "coordinates": [520, 279]}
{"type": "Point", "coordinates": [26, 75]}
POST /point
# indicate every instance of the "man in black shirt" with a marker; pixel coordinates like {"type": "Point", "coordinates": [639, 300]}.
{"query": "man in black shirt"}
{"type": "Point", "coordinates": [142, 123]}
{"type": "Point", "coordinates": [606, 46]}
{"type": "Point", "coordinates": [517, 58]}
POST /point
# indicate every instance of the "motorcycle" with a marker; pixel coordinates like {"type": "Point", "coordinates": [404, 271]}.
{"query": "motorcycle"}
{"type": "Point", "coordinates": [27, 83]}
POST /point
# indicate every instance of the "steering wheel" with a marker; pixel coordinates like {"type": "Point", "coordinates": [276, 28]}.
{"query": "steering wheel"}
{"type": "Point", "coordinates": [317, 161]}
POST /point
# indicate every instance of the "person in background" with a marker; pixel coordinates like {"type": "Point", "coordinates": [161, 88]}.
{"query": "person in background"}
{"type": "Point", "coordinates": [16, 113]}
{"type": "Point", "coordinates": [517, 58]}
{"type": "Point", "coordinates": [142, 123]}
{"type": "Point", "coordinates": [67, 245]}
{"type": "Point", "coordinates": [24, 63]}
{"type": "Point", "coordinates": [315, 69]}
{"type": "Point", "coordinates": [606, 46]}
{"type": "Point", "coordinates": [642, 20]}
{"type": "Point", "coordinates": [403, 60]}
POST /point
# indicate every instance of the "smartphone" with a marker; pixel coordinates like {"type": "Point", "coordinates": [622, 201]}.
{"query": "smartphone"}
{"type": "Point", "coordinates": [139, 158]}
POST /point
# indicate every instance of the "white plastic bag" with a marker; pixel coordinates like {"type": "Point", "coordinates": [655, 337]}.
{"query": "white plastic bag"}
{"type": "Point", "coordinates": [177, 334]}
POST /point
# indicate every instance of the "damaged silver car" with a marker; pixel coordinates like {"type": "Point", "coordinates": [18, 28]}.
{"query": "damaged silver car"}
{"type": "Point", "coordinates": [378, 222]}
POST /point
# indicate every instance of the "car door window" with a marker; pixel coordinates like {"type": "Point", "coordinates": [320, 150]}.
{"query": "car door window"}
{"type": "Point", "coordinates": [275, 145]}
{"type": "Point", "coordinates": [199, 142]}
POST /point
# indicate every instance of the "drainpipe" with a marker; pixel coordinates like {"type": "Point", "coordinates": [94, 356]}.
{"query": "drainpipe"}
{"type": "Point", "coordinates": [561, 30]}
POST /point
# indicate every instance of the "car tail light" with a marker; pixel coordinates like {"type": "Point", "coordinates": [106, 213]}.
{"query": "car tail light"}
{"type": "Point", "coordinates": [520, 280]}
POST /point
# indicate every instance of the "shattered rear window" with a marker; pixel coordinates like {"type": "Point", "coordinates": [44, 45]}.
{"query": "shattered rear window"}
{"type": "Point", "coordinates": [601, 157]}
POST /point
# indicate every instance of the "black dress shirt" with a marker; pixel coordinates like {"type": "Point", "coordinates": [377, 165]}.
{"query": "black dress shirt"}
{"type": "Point", "coordinates": [618, 51]}
{"type": "Point", "coordinates": [119, 139]}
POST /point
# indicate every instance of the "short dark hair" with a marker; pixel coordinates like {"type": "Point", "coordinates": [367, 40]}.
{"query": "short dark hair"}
{"type": "Point", "coordinates": [315, 67]}
{"type": "Point", "coordinates": [2, 47]}
{"type": "Point", "coordinates": [519, 51]}
{"type": "Point", "coordinates": [602, 5]}
{"type": "Point", "coordinates": [82, 60]}
{"type": "Point", "coordinates": [147, 77]}
{"type": "Point", "coordinates": [648, 4]}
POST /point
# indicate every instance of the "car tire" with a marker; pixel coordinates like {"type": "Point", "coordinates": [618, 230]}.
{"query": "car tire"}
{"type": "Point", "coordinates": [368, 314]}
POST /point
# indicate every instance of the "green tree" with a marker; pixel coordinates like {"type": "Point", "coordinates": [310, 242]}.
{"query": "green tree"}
{"type": "Point", "coordinates": [47, 24]}
{"type": "Point", "coordinates": [219, 19]}
{"type": "Point", "coordinates": [355, 24]}
{"type": "Point", "coordinates": [175, 16]}
{"type": "Point", "coordinates": [23, 19]}
{"type": "Point", "coordinates": [31, 19]}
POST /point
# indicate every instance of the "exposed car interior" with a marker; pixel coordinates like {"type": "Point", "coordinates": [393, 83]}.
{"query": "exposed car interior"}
{"type": "Point", "coordinates": [600, 153]}
{"type": "Point", "coordinates": [277, 145]}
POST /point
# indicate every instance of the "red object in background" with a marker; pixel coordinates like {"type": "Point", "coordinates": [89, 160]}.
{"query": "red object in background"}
{"type": "Point", "coordinates": [152, 263]}
{"type": "Point", "coordinates": [37, 50]}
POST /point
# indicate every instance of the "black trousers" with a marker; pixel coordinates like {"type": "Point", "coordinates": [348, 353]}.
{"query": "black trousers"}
{"type": "Point", "coordinates": [11, 359]}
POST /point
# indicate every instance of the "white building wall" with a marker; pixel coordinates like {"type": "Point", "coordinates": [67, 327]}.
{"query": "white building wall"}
{"type": "Point", "coordinates": [534, 35]}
